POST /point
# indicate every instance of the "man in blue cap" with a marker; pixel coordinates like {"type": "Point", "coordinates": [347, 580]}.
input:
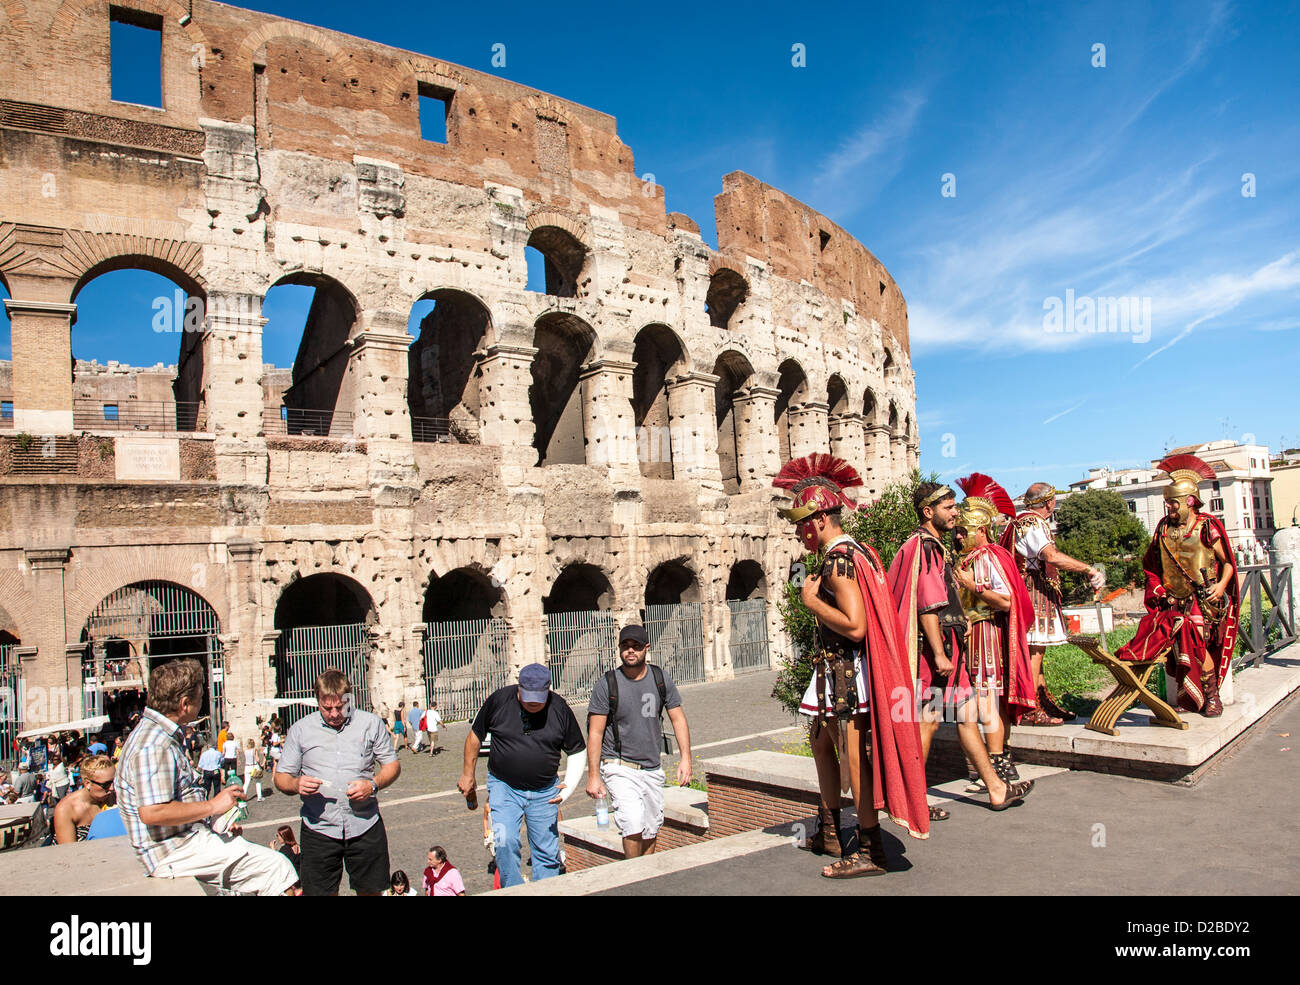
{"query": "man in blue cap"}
{"type": "Point", "coordinates": [530, 726]}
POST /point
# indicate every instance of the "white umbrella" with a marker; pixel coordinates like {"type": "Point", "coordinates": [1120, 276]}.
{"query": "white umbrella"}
{"type": "Point", "coordinates": [91, 724]}
{"type": "Point", "coordinates": [286, 702]}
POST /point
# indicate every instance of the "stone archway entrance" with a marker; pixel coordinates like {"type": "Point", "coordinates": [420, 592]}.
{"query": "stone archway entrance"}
{"type": "Point", "coordinates": [674, 621]}
{"type": "Point", "coordinates": [137, 628]}
{"type": "Point", "coordinates": [324, 621]}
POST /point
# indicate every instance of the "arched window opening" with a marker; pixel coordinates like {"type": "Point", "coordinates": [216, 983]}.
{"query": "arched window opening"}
{"type": "Point", "coordinates": [442, 390]}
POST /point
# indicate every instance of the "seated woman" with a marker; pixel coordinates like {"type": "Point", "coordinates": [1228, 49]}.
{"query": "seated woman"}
{"type": "Point", "coordinates": [74, 812]}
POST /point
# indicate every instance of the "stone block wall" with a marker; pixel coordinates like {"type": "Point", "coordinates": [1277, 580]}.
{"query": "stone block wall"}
{"type": "Point", "coordinates": [289, 154]}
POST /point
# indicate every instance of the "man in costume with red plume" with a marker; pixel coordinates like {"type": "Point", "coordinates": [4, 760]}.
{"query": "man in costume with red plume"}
{"type": "Point", "coordinates": [1192, 596]}
{"type": "Point", "coordinates": [1029, 539]}
{"type": "Point", "coordinates": [859, 675]}
{"type": "Point", "coordinates": [996, 604]}
{"type": "Point", "coordinates": [933, 622]}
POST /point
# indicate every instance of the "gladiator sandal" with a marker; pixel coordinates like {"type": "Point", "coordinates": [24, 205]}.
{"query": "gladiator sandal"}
{"type": "Point", "coordinates": [973, 782]}
{"type": "Point", "coordinates": [873, 844]}
{"type": "Point", "coordinates": [1213, 706]}
{"type": "Point", "coordinates": [1015, 794]}
{"type": "Point", "coordinates": [1036, 716]}
{"type": "Point", "coordinates": [1049, 705]}
{"type": "Point", "coordinates": [826, 839]}
{"type": "Point", "coordinates": [869, 860]}
{"type": "Point", "coordinates": [1005, 767]}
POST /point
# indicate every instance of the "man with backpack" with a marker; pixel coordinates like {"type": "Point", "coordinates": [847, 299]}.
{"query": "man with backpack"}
{"type": "Point", "coordinates": [624, 722]}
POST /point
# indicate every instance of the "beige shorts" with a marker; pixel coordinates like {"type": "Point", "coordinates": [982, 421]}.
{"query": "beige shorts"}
{"type": "Point", "coordinates": [636, 797]}
{"type": "Point", "coordinates": [228, 862]}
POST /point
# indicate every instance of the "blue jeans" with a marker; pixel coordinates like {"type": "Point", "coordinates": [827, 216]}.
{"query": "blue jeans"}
{"type": "Point", "coordinates": [510, 806]}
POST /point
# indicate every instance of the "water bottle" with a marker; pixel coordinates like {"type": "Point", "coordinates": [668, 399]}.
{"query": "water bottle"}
{"type": "Point", "coordinates": [602, 812]}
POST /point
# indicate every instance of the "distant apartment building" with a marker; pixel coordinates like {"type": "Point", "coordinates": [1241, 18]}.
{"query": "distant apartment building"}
{"type": "Point", "coordinates": [1286, 487]}
{"type": "Point", "coordinates": [1240, 494]}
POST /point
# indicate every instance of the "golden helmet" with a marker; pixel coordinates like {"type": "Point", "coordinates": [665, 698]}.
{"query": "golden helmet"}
{"type": "Point", "coordinates": [1185, 473]}
{"type": "Point", "coordinates": [985, 501]}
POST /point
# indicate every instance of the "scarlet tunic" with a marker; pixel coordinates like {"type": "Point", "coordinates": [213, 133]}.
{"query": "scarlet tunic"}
{"type": "Point", "coordinates": [1177, 627]}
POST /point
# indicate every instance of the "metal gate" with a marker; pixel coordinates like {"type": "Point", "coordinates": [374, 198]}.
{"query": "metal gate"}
{"type": "Point", "coordinates": [11, 709]}
{"type": "Point", "coordinates": [748, 635]}
{"type": "Point", "coordinates": [143, 624]}
{"type": "Point", "coordinates": [677, 639]}
{"type": "Point", "coordinates": [582, 646]}
{"type": "Point", "coordinates": [304, 652]}
{"type": "Point", "coordinates": [464, 662]}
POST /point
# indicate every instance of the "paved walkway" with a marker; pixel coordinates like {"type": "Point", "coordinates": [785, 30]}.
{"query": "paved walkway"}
{"type": "Point", "coordinates": [423, 807]}
{"type": "Point", "coordinates": [1234, 832]}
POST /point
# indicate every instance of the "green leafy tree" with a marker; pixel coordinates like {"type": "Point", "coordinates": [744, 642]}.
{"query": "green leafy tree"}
{"type": "Point", "coordinates": [884, 524]}
{"type": "Point", "coordinates": [1097, 527]}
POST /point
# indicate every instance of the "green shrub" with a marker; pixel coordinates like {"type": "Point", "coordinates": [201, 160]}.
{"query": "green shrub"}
{"type": "Point", "coordinates": [1243, 622]}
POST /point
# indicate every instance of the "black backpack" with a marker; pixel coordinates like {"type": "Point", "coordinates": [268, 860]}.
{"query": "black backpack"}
{"type": "Point", "coordinates": [611, 681]}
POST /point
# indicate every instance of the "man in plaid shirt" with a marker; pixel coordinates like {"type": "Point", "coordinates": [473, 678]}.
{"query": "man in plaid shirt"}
{"type": "Point", "coordinates": [160, 797]}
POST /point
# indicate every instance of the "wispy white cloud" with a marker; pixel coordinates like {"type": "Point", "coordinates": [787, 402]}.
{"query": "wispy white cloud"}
{"type": "Point", "coordinates": [865, 161]}
{"type": "Point", "coordinates": [1072, 221]}
{"type": "Point", "coordinates": [1068, 410]}
{"type": "Point", "coordinates": [1223, 293]}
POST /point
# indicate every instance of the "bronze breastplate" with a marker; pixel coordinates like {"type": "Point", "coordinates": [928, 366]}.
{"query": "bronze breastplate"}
{"type": "Point", "coordinates": [976, 609]}
{"type": "Point", "coordinates": [1183, 558]}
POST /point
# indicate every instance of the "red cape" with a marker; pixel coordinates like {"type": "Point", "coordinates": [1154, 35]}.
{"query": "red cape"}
{"type": "Point", "coordinates": [1021, 690]}
{"type": "Point", "coordinates": [898, 771]}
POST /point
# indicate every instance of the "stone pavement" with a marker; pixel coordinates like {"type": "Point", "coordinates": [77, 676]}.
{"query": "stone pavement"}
{"type": "Point", "coordinates": [423, 807]}
{"type": "Point", "coordinates": [1233, 832]}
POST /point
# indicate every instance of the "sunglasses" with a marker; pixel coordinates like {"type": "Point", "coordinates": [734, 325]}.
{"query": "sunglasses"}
{"type": "Point", "coordinates": [102, 786]}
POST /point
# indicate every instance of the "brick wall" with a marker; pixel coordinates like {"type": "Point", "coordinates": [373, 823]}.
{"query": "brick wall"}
{"type": "Point", "coordinates": [736, 806]}
{"type": "Point", "coordinates": [579, 855]}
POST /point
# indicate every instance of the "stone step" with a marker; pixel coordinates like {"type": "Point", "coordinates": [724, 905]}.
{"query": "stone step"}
{"type": "Point", "coordinates": [686, 821]}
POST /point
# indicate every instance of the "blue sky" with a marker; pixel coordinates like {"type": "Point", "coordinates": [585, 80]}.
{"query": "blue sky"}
{"type": "Point", "coordinates": [1121, 181]}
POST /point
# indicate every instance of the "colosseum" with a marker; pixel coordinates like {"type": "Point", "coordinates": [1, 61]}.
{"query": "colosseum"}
{"type": "Point", "coordinates": [432, 501]}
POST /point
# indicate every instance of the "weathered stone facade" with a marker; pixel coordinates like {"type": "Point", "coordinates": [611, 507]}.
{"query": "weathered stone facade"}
{"type": "Point", "coordinates": [630, 417]}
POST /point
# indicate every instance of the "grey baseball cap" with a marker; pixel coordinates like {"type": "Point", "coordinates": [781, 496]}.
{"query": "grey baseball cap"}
{"type": "Point", "coordinates": [534, 683]}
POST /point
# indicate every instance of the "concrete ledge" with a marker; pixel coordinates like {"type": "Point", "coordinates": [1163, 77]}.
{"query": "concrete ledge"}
{"type": "Point", "coordinates": [602, 878]}
{"type": "Point", "coordinates": [1146, 750]}
{"type": "Point", "coordinates": [686, 807]}
{"type": "Point", "coordinates": [775, 769]}
{"type": "Point", "coordinates": [104, 867]}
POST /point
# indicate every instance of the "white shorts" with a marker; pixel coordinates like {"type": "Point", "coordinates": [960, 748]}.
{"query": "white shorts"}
{"type": "Point", "coordinates": [637, 798]}
{"type": "Point", "coordinates": [228, 862]}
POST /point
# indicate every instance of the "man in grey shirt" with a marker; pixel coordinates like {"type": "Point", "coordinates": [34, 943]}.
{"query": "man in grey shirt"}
{"type": "Point", "coordinates": [337, 760]}
{"type": "Point", "coordinates": [630, 742]}
{"type": "Point", "coordinates": [26, 785]}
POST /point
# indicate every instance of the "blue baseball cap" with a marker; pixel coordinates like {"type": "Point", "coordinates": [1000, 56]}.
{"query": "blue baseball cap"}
{"type": "Point", "coordinates": [534, 683]}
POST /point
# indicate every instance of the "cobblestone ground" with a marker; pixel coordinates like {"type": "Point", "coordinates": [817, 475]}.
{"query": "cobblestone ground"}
{"type": "Point", "coordinates": [423, 807]}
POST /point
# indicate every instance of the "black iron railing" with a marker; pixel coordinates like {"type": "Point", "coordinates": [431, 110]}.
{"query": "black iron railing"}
{"type": "Point", "coordinates": [430, 428]}
{"type": "Point", "coordinates": [133, 415]}
{"type": "Point", "coordinates": [307, 422]}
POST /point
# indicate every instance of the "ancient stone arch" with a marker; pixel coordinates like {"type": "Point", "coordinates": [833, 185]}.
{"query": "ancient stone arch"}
{"type": "Point", "coordinates": [16, 20]}
{"type": "Point", "coordinates": [95, 582]}
{"type": "Point", "coordinates": [398, 79]}
{"type": "Point", "coordinates": [257, 39]}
